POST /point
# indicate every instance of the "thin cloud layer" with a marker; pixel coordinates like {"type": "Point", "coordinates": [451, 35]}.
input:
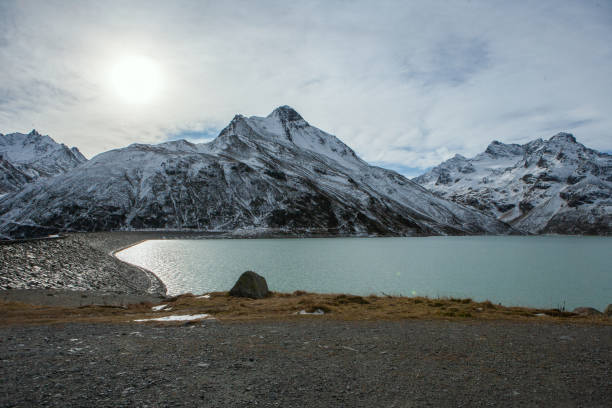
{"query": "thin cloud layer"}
{"type": "Point", "coordinates": [406, 84]}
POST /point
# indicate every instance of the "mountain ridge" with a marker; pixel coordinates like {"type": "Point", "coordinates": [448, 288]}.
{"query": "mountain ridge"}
{"type": "Point", "coordinates": [543, 186]}
{"type": "Point", "coordinates": [260, 173]}
{"type": "Point", "coordinates": [27, 157]}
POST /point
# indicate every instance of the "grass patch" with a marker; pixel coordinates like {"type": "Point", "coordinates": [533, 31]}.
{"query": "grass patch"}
{"type": "Point", "coordinates": [282, 306]}
{"type": "Point", "coordinates": [487, 304]}
{"type": "Point", "coordinates": [460, 300]}
{"type": "Point", "coordinates": [346, 299]}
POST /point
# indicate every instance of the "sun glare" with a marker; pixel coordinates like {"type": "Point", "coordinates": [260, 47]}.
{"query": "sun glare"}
{"type": "Point", "coordinates": [136, 79]}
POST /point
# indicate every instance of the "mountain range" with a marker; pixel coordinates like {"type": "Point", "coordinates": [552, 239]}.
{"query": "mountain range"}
{"type": "Point", "coordinates": [276, 173]}
{"type": "Point", "coordinates": [279, 174]}
{"type": "Point", "coordinates": [25, 158]}
{"type": "Point", "coordinates": [544, 186]}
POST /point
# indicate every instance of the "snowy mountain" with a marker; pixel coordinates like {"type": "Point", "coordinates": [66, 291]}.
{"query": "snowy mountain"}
{"type": "Point", "coordinates": [545, 186]}
{"type": "Point", "coordinates": [11, 178]}
{"type": "Point", "coordinates": [24, 158]}
{"type": "Point", "coordinates": [276, 173]}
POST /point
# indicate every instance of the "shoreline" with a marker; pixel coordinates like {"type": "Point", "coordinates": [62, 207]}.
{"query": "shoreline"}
{"type": "Point", "coordinates": [79, 263]}
{"type": "Point", "coordinates": [144, 270]}
{"type": "Point", "coordinates": [152, 290]}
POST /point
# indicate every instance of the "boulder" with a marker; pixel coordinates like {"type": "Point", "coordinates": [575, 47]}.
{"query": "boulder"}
{"type": "Point", "coordinates": [250, 285]}
{"type": "Point", "coordinates": [608, 311]}
{"type": "Point", "coordinates": [587, 311]}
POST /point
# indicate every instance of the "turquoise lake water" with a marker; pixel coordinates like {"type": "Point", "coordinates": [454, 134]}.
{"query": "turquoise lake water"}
{"type": "Point", "coordinates": [542, 271]}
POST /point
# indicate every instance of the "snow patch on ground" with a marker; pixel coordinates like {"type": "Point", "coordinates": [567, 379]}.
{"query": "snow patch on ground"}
{"type": "Point", "coordinates": [177, 318]}
{"type": "Point", "coordinates": [317, 312]}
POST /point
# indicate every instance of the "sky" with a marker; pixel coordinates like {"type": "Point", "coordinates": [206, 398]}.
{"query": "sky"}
{"type": "Point", "coordinates": [406, 84]}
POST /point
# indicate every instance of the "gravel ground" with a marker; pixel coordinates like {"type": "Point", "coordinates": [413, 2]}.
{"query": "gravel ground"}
{"type": "Point", "coordinates": [307, 363]}
{"type": "Point", "coordinates": [71, 298]}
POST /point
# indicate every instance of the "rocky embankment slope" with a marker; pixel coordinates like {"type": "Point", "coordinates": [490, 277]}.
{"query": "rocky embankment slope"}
{"type": "Point", "coordinates": [78, 262]}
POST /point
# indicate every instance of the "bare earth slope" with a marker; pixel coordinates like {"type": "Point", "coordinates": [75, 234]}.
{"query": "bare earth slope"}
{"type": "Point", "coordinates": [273, 173]}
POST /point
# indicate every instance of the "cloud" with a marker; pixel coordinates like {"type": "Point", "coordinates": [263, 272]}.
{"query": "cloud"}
{"type": "Point", "coordinates": [568, 125]}
{"type": "Point", "coordinates": [406, 84]}
{"type": "Point", "coordinates": [452, 61]}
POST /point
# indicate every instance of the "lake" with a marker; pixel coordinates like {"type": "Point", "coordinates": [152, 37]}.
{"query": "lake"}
{"type": "Point", "coordinates": [539, 271]}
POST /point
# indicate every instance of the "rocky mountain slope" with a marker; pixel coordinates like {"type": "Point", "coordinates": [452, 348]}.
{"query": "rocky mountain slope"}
{"type": "Point", "coordinates": [276, 173]}
{"type": "Point", "coordinates": [545, 186]}
{"type": "Point", "coordinates": [25, 158]}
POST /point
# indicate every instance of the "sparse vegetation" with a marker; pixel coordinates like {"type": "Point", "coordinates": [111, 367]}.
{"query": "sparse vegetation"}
{"type": "Point", "coordinates": [345, 299]}
{"type": "Point", "coordinates": [282, 306]}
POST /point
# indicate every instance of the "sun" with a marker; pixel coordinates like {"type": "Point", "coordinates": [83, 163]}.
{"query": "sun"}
{"type": "Point", "coordinates": [136, 79]}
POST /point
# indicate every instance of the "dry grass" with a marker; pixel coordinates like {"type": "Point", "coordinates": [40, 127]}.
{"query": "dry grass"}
{"type": "Point", "coordinates": [283, 306]}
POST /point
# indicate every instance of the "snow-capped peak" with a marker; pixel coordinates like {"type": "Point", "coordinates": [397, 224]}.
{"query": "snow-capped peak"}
{"type": "Point", "coordinates": [275, 172]}
{"type": "Point", "coordinates": [557, 185]}
{"type": "Point", "coordinates": [286, 113]}
{"type": "Point", "coordinates": [496, 149]}
{"type": "Point", "coordinates": [563, 137]}
{"type": "Point", "coordinates": [35, 155]}
{"type": "Point", "coordinates": [284, 126]}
